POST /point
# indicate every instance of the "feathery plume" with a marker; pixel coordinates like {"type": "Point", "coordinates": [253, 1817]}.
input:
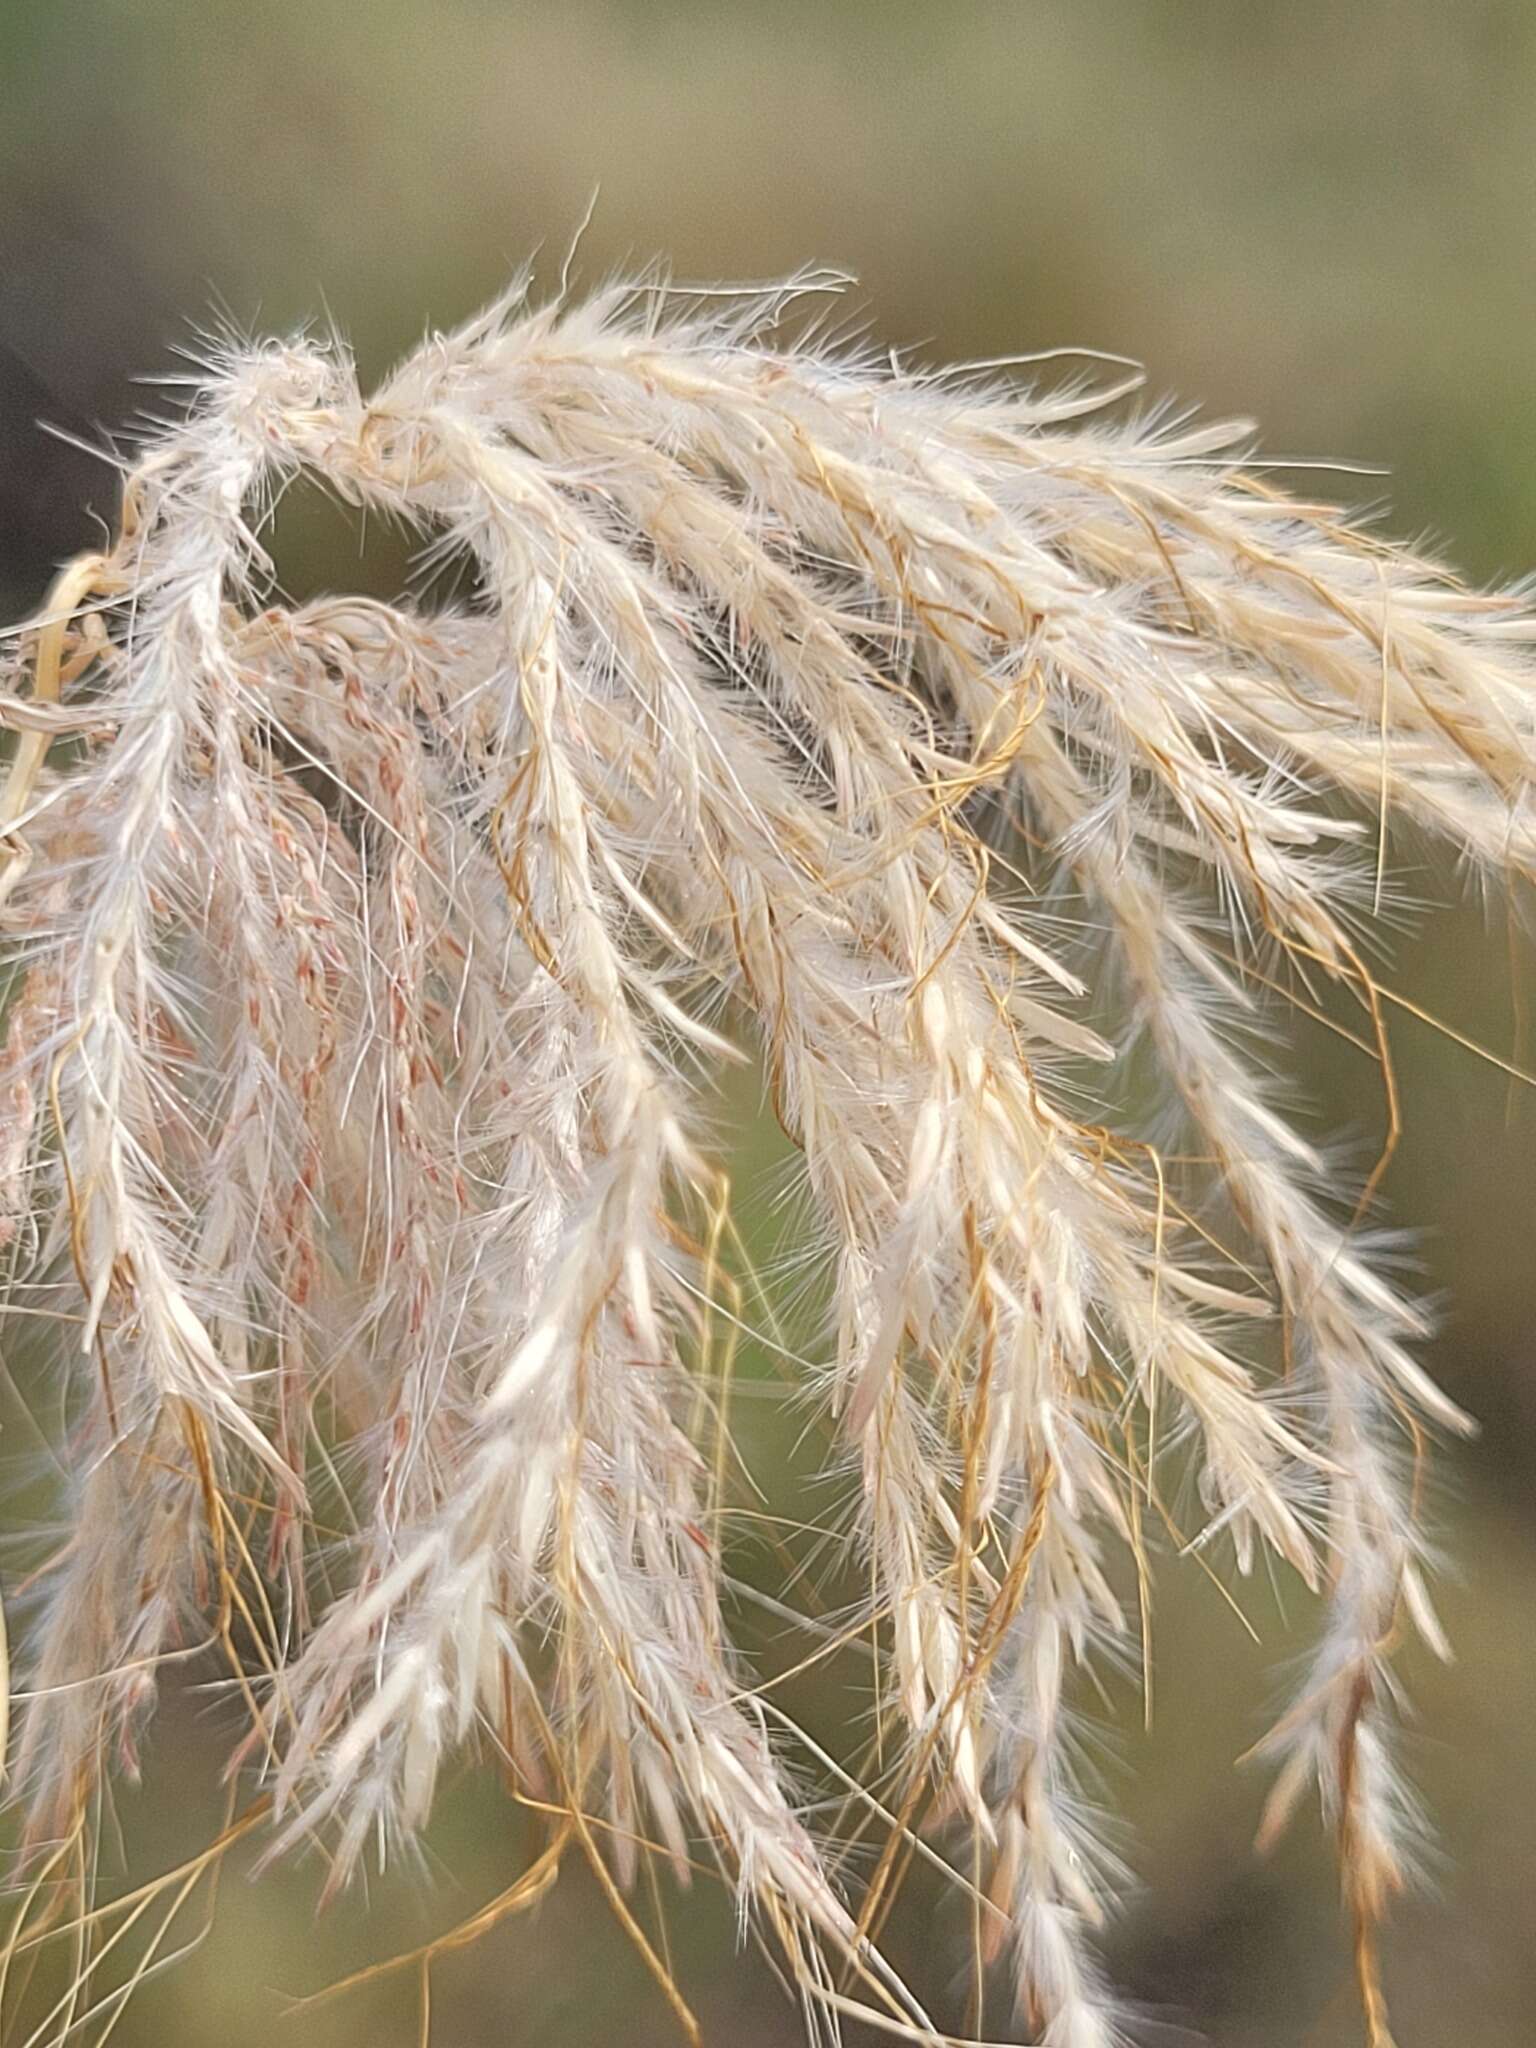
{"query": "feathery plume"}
{"type": "Point", "coordinates": [370, 965]}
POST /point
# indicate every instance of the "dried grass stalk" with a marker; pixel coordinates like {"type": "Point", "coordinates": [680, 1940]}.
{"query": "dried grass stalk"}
{"type": "Point", "coordinates": [371, 966]}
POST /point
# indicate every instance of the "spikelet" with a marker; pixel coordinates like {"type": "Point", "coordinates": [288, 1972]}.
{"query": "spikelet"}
{"type": "Point", "coordinates": [372, 965]}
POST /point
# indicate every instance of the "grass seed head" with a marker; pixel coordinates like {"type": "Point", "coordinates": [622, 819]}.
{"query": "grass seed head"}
{"type": "Point", "coordinates": [372, 968]}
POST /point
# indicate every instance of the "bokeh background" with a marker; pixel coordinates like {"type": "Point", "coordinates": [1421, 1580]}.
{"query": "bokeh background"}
{"type": "Point", "coordinates": [1319, 214]}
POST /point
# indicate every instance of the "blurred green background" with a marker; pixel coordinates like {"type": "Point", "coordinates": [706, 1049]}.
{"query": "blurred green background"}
{"type": "Point", "coordinates": [1321, 215]}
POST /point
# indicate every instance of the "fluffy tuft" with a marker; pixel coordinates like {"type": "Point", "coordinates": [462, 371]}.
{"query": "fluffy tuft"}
{"type": "Point", "coordinates": [372, 966]}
